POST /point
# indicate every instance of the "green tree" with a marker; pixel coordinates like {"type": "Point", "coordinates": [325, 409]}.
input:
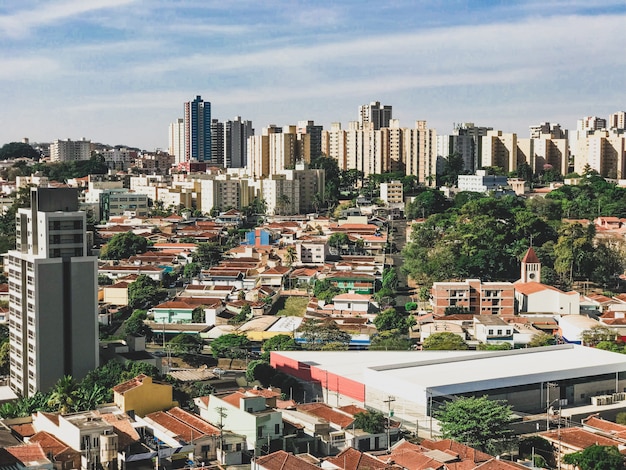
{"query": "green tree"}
{"type": "Point", "coordinates": [186, 344]}
{"type": "Point", "coordinates": [494, 347]}
{"type": "Point", "coordinates": [316, 334]}
{"type": "Point", "coordinates": [5, 348]}
{"type": "Point", "coordinates": [87, 398]}
{"type": "Point", "coordinates": [231, 345]}
{"type": "Point", "coordinates": [389, 340]}
{"type": "Point", "coordinates": [475, 421]}
{"type": "Point", "coordinates": [145, 292]}
{"type": "Point", "coordinates": [207, 254]}
{"type": "Point", "coordinates": [244, 314]}
{"type": "Point", "coordinates": [191, 270]}
{"type": "Point", "coordinates": [596, 457]}
{"type": "Point", "coordinates": [279, 343]}
{"type": "Point", "coordinates": [291, 256]}
{"type": "Point", "coordinates": [124, 245]}
{"type": "Point", "coordinates": [14, 150]}
{"type": "Point", "coordinates": [370, 421]}
{"type": "Point", "coordinates": [541, 339]}
{"type": "Point", "coordinates": [64, 394]}
{"type": "Point", "coordinates": [390, 319]}
{"type": "Point", "coordinates": [338, 240]}
{"type": "Point", "coordinates": [597, 334]}
{"type": "Point", "coordinates": [444, 341]}
{"type": "Point", "coordinates": [261, 371]}
{"type": "Point", "coordinates": [198, 315]}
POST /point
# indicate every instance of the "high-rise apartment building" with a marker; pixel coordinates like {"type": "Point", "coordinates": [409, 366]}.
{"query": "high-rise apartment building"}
{"type": "Point", "coordinates": [217, 143]}
{"type": "Point", "coordinates": [604, 151]}
{"type": "Point", "coordinates": [70, 150]}
{"type": "Point", "coordinates": [197, 123]}
{"type": "Point", "coordinates": [618, 120]}
{"type": "Point", "coordinates": [500, 149]}
{"type": "Point", "coordinates": [236, 133]}
{"type": "Point", "coordinates": [176, 137]}
{"type": "Point", "coordinates": [52, 293]}
{"type": "Point", "coordinates": [590, 123]}
{"type": "Point", "coordinates": [314, 134]}
{"type": "Point", "coordinates": [375, 114]}
{"type": "Point", "coordinates": [276, 149]}
{"type": "Point", "coordinates": [392, 148]}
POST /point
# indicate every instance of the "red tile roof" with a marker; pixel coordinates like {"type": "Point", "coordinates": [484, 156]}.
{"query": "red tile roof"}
{"type": "Point", "coordinates": [530, 257]}
{"type": "Point", "coordinates": [124, 429]}
{"type": "Point", "coordinates": [464, 452]}
{"type": "Point", "coordinates": [195, 421]}
{"type": "Point", "coordinates": [282, 460]}
{"type": "Point", "coordinates": [329, 414]}
{"type": "Point", "coordinates": [578, 439]}
{"type": "Point", "coordinates": [129, 384]}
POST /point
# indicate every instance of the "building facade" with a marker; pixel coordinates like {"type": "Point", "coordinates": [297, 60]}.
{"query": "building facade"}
{"type": "Point", "coordinates": [478, 298]}
{"type": "Point", "coordinates": [70, 150]}
{"type": "Point", "coordinates": [53, 293]}
{"type": "Point", "coordinates": [197, 124]}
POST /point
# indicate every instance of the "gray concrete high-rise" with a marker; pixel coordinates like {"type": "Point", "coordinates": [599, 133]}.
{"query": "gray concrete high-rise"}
{"type": "Point", "coordinates": [53, 289]}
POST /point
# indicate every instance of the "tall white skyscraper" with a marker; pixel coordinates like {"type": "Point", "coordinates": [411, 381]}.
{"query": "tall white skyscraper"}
{"type": "Point", "coordinates": [53, 288]}
{"type": "Point", "coordinates": [177, 140]}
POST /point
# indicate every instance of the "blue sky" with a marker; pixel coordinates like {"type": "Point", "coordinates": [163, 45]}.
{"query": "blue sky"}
{"type": "Point", "coordinates": [118, 71]}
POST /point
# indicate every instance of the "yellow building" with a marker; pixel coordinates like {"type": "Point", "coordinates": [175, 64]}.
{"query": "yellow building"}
{"type": "Point", "coordinates": [143, 396]}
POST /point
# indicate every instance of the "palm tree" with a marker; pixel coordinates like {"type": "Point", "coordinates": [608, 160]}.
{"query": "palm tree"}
{"type": "Point", "coordinates": [291, 256]}
{"type": "Point", "coordinates": [89, 398]}
{"type": "Point", "coordinates": [64, 394]}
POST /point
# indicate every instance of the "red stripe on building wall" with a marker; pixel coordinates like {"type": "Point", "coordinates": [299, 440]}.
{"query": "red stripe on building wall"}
{"type": "Point", "coordinates": [332, 382]}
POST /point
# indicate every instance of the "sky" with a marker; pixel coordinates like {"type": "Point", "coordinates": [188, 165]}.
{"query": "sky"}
{"type": "Point", "coordinates": [119, 71]}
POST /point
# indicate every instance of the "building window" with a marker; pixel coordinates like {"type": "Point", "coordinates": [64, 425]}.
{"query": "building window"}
{"type": "Point", "coordinates": [277, 429]}
{"type": "Point", "coordinates": [259, 431]}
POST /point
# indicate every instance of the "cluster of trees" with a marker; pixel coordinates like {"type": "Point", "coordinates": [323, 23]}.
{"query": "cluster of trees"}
{"type": "Point", "coordinates": [4, 350]}
{"type": "Point", "coordinates": [145, 292]}
{"type": "Point", "coordinates": [486, 237]}
{"type": "Point", "coordinates": [123, 246]}
{"type": "Point", "coordinates": [476, 421]}
{"type": "Point", "coordinates": [69, 395]}
{"type": "Point", "coordinates": [14, 150]}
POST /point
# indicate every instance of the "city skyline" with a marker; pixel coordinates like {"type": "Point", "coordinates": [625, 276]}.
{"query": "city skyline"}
{"type": "Point", "coordinates": [119, 71]}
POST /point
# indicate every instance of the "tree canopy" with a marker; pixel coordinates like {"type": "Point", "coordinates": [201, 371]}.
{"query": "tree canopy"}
{"type": "Point", "coordinates": [231, 345]}
{"type": "Point", "coordinates": [145, 292]}
{"type": "Point", "coordinates": [596, 457]}
{"type": "Point", "coordinates": [444, 341]}
{"type": "Point", "coordinates": [318, 334]}
{"type": "Point", "coordinates": [123, 245]}
{"type": "Point", "coordinates": [475, 421]}
{"type": "Point", "coordinates": [14, 150]}
{"type": "Point", "coordinates": [370, 421]}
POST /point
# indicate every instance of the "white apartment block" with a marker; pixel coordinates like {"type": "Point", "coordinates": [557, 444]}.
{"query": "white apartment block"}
{"type": "Point", "coordinates": [500, 149]}
{"type": "Point", "coordinates": [393, 148]}
{"type": "Point", "coordinates": [312, 183]}
{"type": "Point", "coordinates": [604, 151]}
{"type": "Point", "coordinates": [617, 120]}
{"type": "Point", "coordinates": [481, 182]}
{"type": "Point", "coordinates": [53, 285]}
{"type": "Point", "coordinates": [120, 159]}
{"type": "Point", "coordinates": [70, 150]}
{"type": "Point", "coordinates": [176, 137]}
{"type": "Point", "coordinates": [281, 195]}
{"type": "Point", "coordinates": [223, 192]}
{"type": "Point", "coordinates": [392, 193]}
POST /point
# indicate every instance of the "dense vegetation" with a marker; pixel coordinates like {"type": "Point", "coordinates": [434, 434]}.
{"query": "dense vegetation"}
{"type": "Point", "coordinates": [486, 237]}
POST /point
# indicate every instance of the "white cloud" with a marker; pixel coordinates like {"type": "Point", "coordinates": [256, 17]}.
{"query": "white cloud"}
{"type": "Point", "coordinates": [21, 22]}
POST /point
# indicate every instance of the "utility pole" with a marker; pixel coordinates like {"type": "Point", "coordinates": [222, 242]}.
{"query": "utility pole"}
{"type": "Point", "coordinates": [390, 399]}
